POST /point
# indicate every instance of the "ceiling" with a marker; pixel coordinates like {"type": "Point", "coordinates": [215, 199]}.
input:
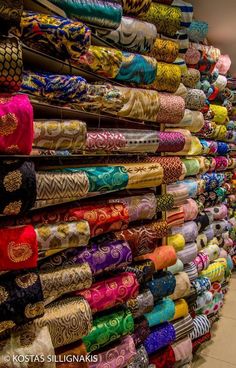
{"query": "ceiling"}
{"type": "Point", "coordinates": [220, 15]}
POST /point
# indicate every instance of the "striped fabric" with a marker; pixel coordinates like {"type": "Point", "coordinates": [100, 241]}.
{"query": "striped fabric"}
{"type": "Point", "coordinates": [183, 327]}
{"type": "Point", "coordinates": [201, 326]}
{"type": "Point", "coordinates": [191, 270]}
{"type": "Point", "coordinates": [186, 10]}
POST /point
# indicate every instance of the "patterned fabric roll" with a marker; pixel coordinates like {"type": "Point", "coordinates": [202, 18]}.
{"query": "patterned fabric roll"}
{"type": "Point", "coordinates": [133, 35]}
{"type": "Point", "coordinates": [65, 280]}
{"type": "Point", "coordinates": [190, 210]}
{"type": "Point", "coordinates": [122, 140]}
{"type": "Point", "coordinates": [68, 320]}
{"type": "Point", "coordinates": [162, 285]}
{"type": "Point", "coordinates": [114, 291]}
{"type": "Point", "coordinates": [63, 235]}
{"type": "Point", "coordinates": [141, 360]}
{"type": "Point", "coordinates": [18, 248]}
{"type": "Point", "coordinates": [17, 180]}
{"type": "Point", "coordinates": [104, 61]}
{"type": "Point", "coordinates": [11, 64]}
{"type": "Point", "coordinates": [141, 331]}
{"type": "Point", "coordinates": [175, 217]}
{"type": "Point", "coordinates": [186, 12]}
{"type": "Point", "coordinates": [195, 99]}
{"type": "Point", "coordinates": [138, 69]}
{"type": "Point", "coordinates": [140, 207]}
{"type": "Point", "coordinates": [49, 185]}
{"type": "Point", "coordinates": [201, 326]}
{"type": "Point", "coordinates": [189, 230]}
{"type": "Point", "coordinates": [142, 304]}
{"type": "Point", "coordinates": [60, 135]}
{"type": "Point", "coordinates": [54, 35]}
{"type": "Point", "coordinates": [118, 355]}
{"type": "Point", "coordinates": [139, 104]}
{"type": "Point", "coordinates": [183, 327]}
{"type": "Point", "coordinates": [78, 349]}
{"type": "Point", "coordinates": [220, 113]}
{"type": "Point", "coordinates": [171, 109]}
{"type": "Point", "coordinates": [197, 343]}
{"type": "Point", "coordinates": [215, 272]}
{"type": "Point", "coordinates": [171, 141]}
{"type": "Point", "coordinates": [191, 270]}
{"type": "Point", "coordinates": [143, 270]}
{"type": "Point", "coordinates": [143, 239]}
{"type": "Point", "coordinates": [10, 14]}
{"type": "Point", "coordinates": [168, 78]}
{"type": "Point", "coordinates": [22, 298]}
{"type": "Point", "coordinates": [165, 50]}
{"type": "Point", "coordinates": [172, 167]}
{"type": "Point", "coordinates": [109, 328]}
{"type": "Point", "coordinates": [112, 254]}
{"type": "Point", "coordinates": [27, 340]}
{"type": "Point", "coordinates": [164, 202]}
{"type": "Point", "coordinates": [105, 13]}
{"type": "Point", "coordinates": [161, 336]}
{"type": "Point", "coordinates": [135, 7]}
{"type": "Point", "coordinates": [163, 311]}
{"type": "Point", "coordinates": [197, 31]}
{"type": "Point", "coordinates": [182, 287]}
{"type": "Point", "coordinates": [191, 78]}
{"type": "Point", "coordinates": [167, 19]}
{"type": "Point", "coordinates": [202, 261]}
{"type": "Point", "coordinates": [16, 124]}
{"type": "Point", "coordinates": [64, 88]}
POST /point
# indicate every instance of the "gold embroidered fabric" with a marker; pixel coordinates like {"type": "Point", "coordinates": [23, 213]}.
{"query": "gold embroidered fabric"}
{"type": "Point", "coordinates": [27, 340]}
{"type": "Point", "coordinates": [144, 175]}
{"type": "Point", "coordinates": [63, 235]}
{"type": "Point", "coordinates": [168, 78]}
{"type": "Point", "coordinates": [65, 280]}
{"type": "Point", "coordinates": [139, 104]}
{"type": "Point", "coordinates": [60, 135]}
{"type": "Point", "coordinates": [68, 320]}
{"type": "Point", "coordinates": [59, 185]}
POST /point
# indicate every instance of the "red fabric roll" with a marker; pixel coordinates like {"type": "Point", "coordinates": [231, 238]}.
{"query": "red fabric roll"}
{"type": "Point", "coordinates": [165, 358]}
{"type": "Point", "coordinates": [18, 248]}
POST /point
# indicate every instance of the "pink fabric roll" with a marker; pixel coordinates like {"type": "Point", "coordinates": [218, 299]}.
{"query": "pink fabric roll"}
{"type": "Point", "coordinates": [171, 109]}
{"type": "Point", "coordinates": [202, 261]}
{"type": "Point", "coordinates": [182, 349]}
{"type": "Point", "coordinates": [223, 64]}
{"type": "Point", "coordinates": [111, 292]}
{"type": "Point", "coordinates": [190, 210]}
{"type": "Point", "coordinates": [170, 142]}
{"type": "Point", "coordinates": [221, 163]}
{"type": "Point", "coordinates": [192, 56]}
{"type": "Point", "coordinates": [16, 124]}
{"type": "Point", "coordinates": [218, 212]}
{"type": "Point", "coordinates": [118, 356]}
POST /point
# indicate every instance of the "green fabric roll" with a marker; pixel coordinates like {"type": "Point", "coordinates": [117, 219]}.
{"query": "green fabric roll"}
{"type": "Point", "coordinates": [192, 166]}
{"type": "Point", "coordinates": [109, 328]}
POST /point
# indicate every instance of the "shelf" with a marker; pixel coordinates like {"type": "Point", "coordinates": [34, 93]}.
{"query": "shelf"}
{"type": "Point", "coordinates": [43, 6]}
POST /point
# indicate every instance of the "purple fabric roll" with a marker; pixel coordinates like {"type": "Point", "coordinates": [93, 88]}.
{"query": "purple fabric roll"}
{"type": "Point", "coordinates": [101, 257]}
{"type": "Point", "coordinates": [170, 142]}
{"type": "Point", "coordinates": [161, 336]}
{"type": "Point", "coordinates": [106, 256]}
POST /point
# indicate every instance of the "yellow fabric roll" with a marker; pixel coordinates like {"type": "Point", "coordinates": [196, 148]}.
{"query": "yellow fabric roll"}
{"type": "Point", "coordinates": [145, 175]}
{"type": "Point", "coordinates": [166, 18]}
{"type": "Point", "coordinates": [181, 91]}
{"type": "Point", "coordinates": [168, 78]}
{"type": "Point", "coordinates": [215, 271]}
{"type": "Point", "coordinates": [177, 241]}
{"type": "Point", "coordinates": [221, 114]}
{"type": "Point", "coordinates": [165, 50]}
{"type": "Point", "coordinates": [181, 309]}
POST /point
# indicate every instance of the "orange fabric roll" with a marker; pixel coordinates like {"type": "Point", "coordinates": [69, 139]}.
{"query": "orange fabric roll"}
{"type": "Point", "coordinates": [162, 257]}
